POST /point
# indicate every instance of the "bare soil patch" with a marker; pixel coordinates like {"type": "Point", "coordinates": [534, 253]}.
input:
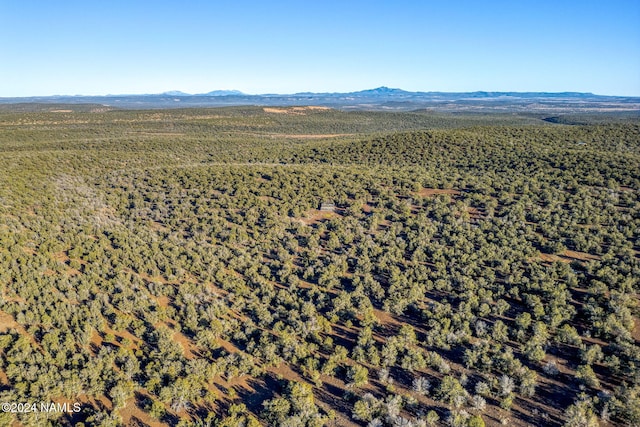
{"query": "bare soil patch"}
{"type": "Point", "coordinates": [636, 329]}
{"type": "Point", "coordinates": [383, 224]}
{"type": "Point", "coordinates": [228, 346]}
{"type": "Point", "coordinates": [297, 111]}
{"type": "Point", "coordinates": [144, 276]}
{"type": "Point", "coordinates": [7, 322]}
{"type": "Point", "coordinates": [101, 402]}
{"type": "Point", "coordinates": [549, 257]}
{"type": "Point", "coordinates": [158, 133]}
{"type": "Point", "coordinates": [185, 343]}
{"type": "Point", "coordinates": [313, 136]}
{"type": "Point", "coordinates": [580, 256]}
{"type": "Point", "coordinates": [294, 136]}
{"type": "Point", "coordinates": [28, 251]}
{"type": "Point", "coordinates": [385, 318]}
{"type": "Point", "coordinates": [96, 339]}
{"type": "Point", "coordinates": [474, 213]}
{"type": "Point", "coordinates": [568, 256]}
{"type": "Point", "coordinates": [158, 226]}
{"type": "Point", "coordinates": [133, 415]}
{"type": "Point", "coordinates": [428, 192]}
{"type": "Point", "coordinates": [163, 301]}
{"type": "Point", "coordinates": [70, 272]}
{"type": "Point", "coordinates": [61, 257]}
{"type": "Point", "coordinates": [315, 215]}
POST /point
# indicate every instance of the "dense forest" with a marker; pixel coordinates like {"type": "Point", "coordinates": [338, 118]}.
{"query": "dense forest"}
{"type": "Point", "coordinates": [175, 268]}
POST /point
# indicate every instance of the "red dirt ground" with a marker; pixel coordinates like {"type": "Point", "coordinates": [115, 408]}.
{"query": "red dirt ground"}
{"type": "Point", "coordinates": [428, 192]}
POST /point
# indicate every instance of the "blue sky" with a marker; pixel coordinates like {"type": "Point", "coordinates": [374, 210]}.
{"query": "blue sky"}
{"type": "Point", "coordinates": [114, 47]}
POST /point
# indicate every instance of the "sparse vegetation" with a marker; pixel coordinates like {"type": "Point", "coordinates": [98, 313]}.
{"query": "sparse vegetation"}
{"type": "Point", "coordinates": [173, 267]}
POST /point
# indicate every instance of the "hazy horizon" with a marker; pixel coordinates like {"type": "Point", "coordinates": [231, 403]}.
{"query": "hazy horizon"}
{"type": "Point", "coordinates": [178, 92]}
{"type": "Point", "coordinates": [283, 47]}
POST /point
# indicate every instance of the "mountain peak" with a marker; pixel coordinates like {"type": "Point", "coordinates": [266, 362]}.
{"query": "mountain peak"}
{"type": "Point", "coordinates": [382, 90]}
{"type": "Point", "coordinates": [174, 93]}
{"type": "Point", "coordinates": [222, 93]}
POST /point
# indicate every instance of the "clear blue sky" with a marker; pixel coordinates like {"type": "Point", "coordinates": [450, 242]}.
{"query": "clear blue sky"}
{"type": "Point", "coordinates": [138, 46]}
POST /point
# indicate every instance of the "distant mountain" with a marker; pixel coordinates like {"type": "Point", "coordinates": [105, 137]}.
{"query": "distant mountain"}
{"type": "Point", "coordinates": [212, 93]}
{"type": "Point", "coordinates": [383, 91]}
{"type": "Point", "coordinates": [222, 93]}
{"type": "Point", "coordinates": [175, 93]}
{"type": "Point", "coordinates": [381, 98]}
{"type": "Point", "coordinates": [482, 94]}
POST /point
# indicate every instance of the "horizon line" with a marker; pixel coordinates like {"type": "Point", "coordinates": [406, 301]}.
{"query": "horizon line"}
{"type": "Point", "coordinates": [236, 92]}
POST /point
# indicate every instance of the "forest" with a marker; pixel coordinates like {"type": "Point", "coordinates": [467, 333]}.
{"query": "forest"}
{"type": "Point", "coordinates": [175, 268]}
